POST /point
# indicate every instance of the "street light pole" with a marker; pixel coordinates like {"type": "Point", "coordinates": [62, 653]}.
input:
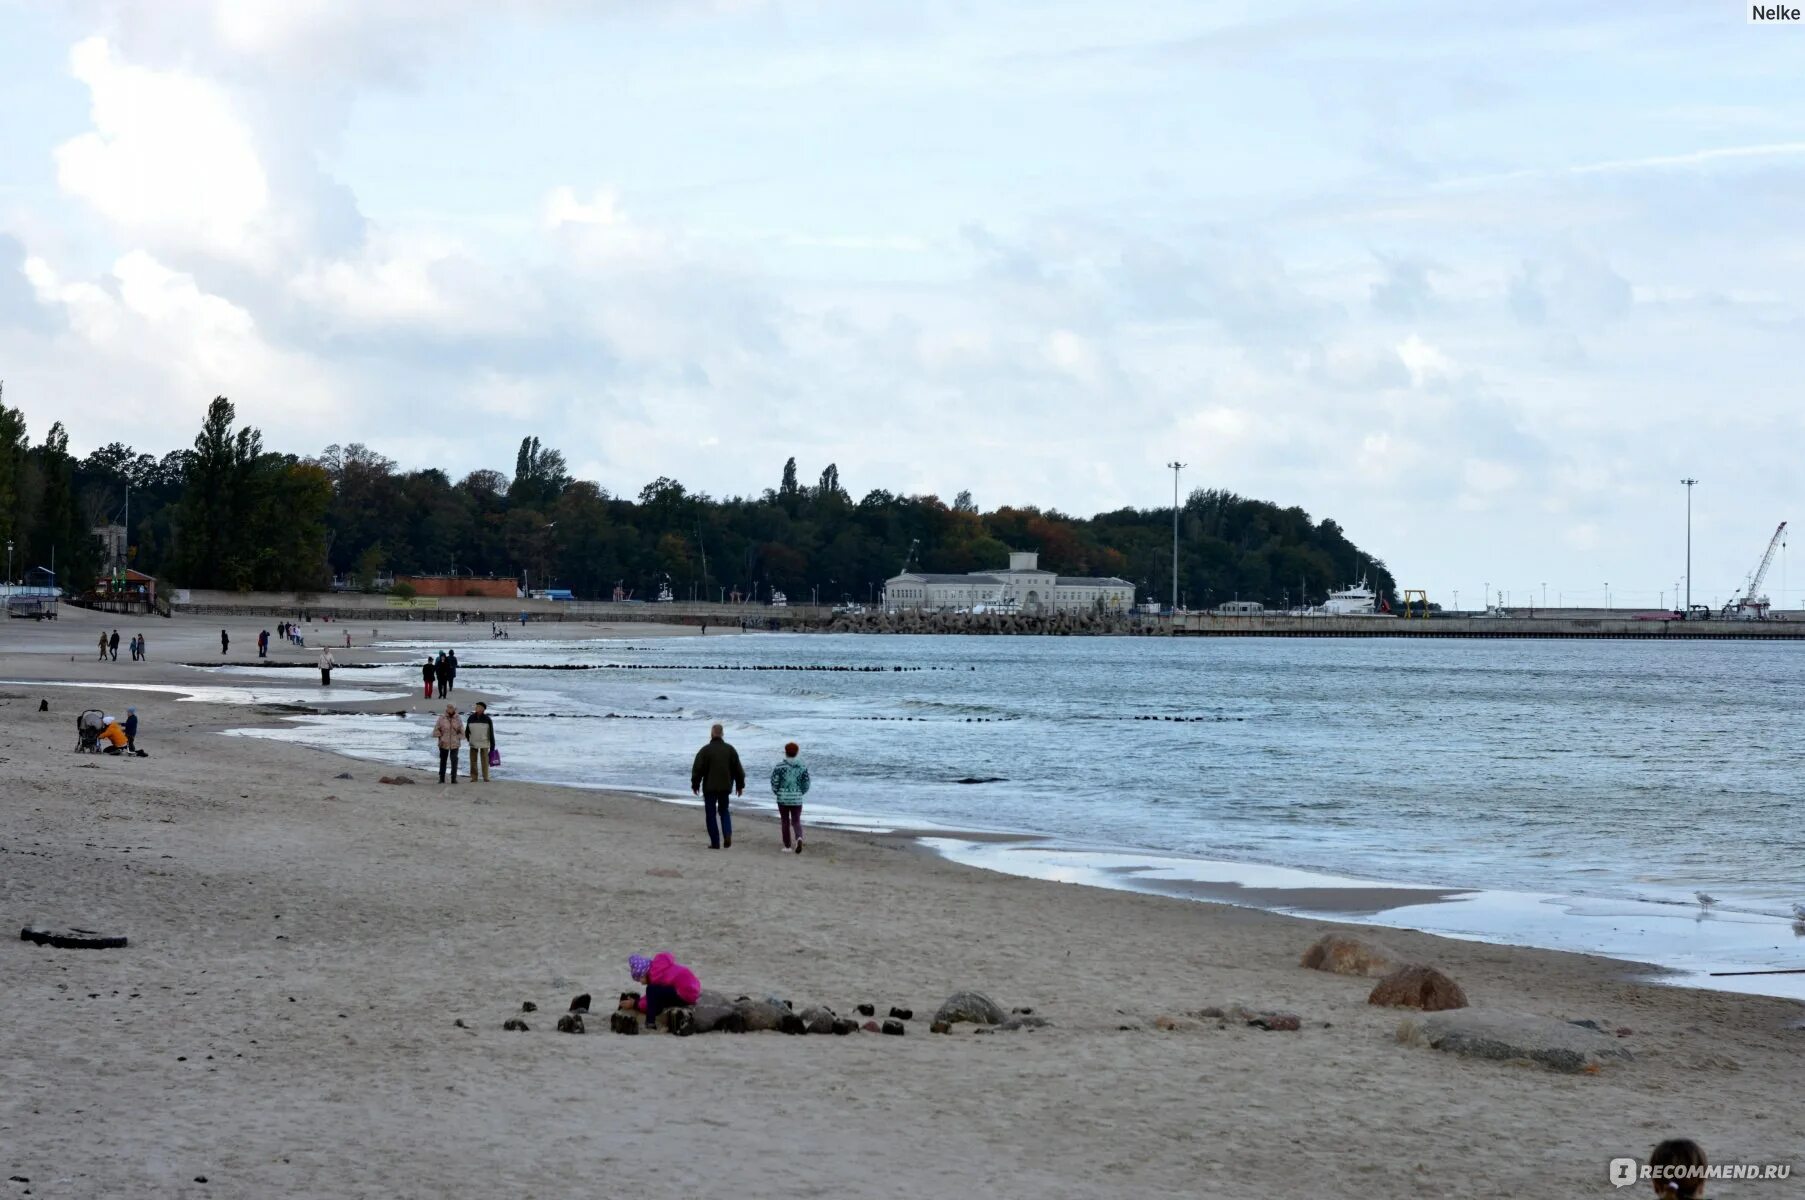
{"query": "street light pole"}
{"type": "Point", "coordinates": [1688, 483]}
{"type": "Point", "coordinates": [1176, 467]}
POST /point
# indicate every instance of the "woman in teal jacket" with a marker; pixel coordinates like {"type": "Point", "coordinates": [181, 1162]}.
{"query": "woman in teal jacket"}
{"type": "Point", "coordinates": [789, 783]}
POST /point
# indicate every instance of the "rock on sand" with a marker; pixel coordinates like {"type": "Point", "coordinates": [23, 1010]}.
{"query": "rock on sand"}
{"type": "Point", "coordinates": [1346, 954]}
{"type": "Point", "coordinates": [1417, 986]}
{"type": "Point", "coordinates": [974, 1007]}
{"type": "Point", "coordinates": [1514, 1037]}
{"type": "Point", "coordinates": [761, 1016]}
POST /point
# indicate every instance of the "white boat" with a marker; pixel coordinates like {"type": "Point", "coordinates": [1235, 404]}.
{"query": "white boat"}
{"type": "Point", "coordinates": [664, 595]}
{"type": "Point", "coordinates": [1356, 601]}
{"type": "Point", "coordinates": [779, 600]}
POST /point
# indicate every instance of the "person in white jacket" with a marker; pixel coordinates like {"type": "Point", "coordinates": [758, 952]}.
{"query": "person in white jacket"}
{"type": "Point", "coordinates": [326, 665]}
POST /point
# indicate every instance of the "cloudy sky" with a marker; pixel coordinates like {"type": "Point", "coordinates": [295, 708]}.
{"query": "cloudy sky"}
{"type": "Point", "coordinates": [1481, 282]}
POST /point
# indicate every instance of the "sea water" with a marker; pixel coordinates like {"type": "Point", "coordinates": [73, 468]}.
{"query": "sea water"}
{"type": "Point", "coordinates": [1613, 780]}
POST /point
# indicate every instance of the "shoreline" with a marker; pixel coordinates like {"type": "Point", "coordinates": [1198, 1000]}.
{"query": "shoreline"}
{"type": "Point", "coordinates": [1637, 932]}
{"type": "Point", "coordinates": [1650, 936]}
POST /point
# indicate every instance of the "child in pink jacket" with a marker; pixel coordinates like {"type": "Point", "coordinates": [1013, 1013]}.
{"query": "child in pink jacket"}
{"type": "Point", "coordinates": [668, 983]}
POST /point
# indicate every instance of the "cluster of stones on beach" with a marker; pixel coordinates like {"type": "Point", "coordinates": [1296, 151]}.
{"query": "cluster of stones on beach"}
{"type": "Point", "coordinates": [715, 1013]}
{"type": "Point", "coordinates": [1443, 1021]}
{"type": "Point", "coordinates": [1447, 1022]}
{"type": "Point", "coordinates": [1442, 1018]}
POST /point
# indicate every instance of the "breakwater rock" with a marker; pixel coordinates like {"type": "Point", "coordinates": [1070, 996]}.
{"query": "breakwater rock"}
{"type": "Point", "coordinates": [1053, 624]}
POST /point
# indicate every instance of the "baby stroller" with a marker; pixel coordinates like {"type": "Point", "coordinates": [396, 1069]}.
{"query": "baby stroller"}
{"type": "Point", "coordinates": [87, 731]}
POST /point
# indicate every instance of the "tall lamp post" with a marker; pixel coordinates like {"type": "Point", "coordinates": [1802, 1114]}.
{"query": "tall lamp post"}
{"type": "Point", "coordinates": [9, 561]}
{"type": "Point", "coordinates": [1688, 483]}
{"type": "Point", "coordinates": [1175, 467]}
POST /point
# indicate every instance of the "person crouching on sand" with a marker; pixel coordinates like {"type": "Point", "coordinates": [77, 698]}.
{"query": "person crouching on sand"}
{"type": "Point", "coordinates": [112, 738]}
{"type": "Point", "coordinates": [448, 731]}
{"type": "Point", "coordinates": [668, 984]}
{"type": "Point", "coordinates": [789, 783]}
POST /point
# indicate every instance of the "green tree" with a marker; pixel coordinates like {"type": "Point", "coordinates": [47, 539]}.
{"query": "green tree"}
{"type": "Point", "coordinates": [539, 475]}
{"type": "Point", "coordinates": [210, 519]}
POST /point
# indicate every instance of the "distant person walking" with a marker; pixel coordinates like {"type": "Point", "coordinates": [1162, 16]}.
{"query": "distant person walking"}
{"type": "Point", "coordinates": [326, 665]}
{"type": "Point", "coordinates": [427, 674]}
{"type": "Point", "coordinates": [451, 671]}
{"type": "Point", "coordinates": [448, 731]}
{"type": "Point", "coordinates": [440, 673]}
{"type": "Point", "coordinates": [113, 645]}
{"type": "Point", "coordinates": [789, 783]}
{"type": "Point", "coordinates": [263, 643]}
{"type": "Point", "coordinates": [715, 772]}
{"type": "Point", "coordinates": [103, 645]}
{"type": "Point", "coordinates": [479, 731]}
{"type": "Point", "coordinates": [225, 643]}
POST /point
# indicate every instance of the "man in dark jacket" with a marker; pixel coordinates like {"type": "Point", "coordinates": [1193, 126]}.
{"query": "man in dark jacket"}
{"type": "Point", "coordinates": [714, 774]}
{"type": "Point", "coordinates": [451, 671]}
{"type": "Point", "coordinates": [441, 673]}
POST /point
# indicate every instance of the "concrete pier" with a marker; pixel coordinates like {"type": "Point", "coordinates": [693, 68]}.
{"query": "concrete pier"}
{"type": "Point", "coordinates": [1553, 626]}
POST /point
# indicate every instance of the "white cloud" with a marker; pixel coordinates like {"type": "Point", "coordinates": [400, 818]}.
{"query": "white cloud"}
{"type": "Point", "coordinates": [1426, 364]}
{"type": "Point", "coordinates": [418, 281]}
{"type": "Point", "coordinates": [168, 158]}
{"type": "Point", "coordinates": [151, 333]}
{"type": "Point", "coordinates": [599, 229]}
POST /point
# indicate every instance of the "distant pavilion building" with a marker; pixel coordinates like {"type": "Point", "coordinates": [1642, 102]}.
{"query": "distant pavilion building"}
{"type": "Point", "coordinates": [1022, 587]}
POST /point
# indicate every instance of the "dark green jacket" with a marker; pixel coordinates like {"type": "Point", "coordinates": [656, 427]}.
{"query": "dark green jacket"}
{"type": "Point", "coordinates": [717, 768]}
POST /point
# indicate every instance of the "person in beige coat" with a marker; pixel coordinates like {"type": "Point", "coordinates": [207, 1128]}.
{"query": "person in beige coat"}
{"type": "Point", "coordinates": [448, 731]}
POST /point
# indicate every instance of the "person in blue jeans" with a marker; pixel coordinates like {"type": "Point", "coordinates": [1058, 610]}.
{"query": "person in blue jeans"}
{"type": "Point", "coordinates": [715, 773]}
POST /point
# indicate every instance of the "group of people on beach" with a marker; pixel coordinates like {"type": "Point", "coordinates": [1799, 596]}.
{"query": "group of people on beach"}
{"type": "Point", "coordinates": [440, 672]}
{"type": "Point", "coordinates": [451, 733]}
{"type": "Point", "coordinates": [109, 647]}
{"type": "Point", "coordinates": [716, 774]}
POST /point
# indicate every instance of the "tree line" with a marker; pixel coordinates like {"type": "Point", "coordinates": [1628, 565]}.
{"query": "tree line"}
{"type": "Point", "coordinates": [229, 513]}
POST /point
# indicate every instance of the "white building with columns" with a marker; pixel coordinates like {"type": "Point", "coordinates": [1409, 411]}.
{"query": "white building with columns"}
{"type": "Point", "coordinates": [1023, 587]}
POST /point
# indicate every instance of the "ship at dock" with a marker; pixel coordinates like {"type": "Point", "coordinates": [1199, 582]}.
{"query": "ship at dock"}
{"type": "Point", "coordinates": [1356, 601]}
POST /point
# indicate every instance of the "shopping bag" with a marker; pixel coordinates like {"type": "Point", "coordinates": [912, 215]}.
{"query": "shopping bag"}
{"type": "Point", "coordinates": [494, 757]}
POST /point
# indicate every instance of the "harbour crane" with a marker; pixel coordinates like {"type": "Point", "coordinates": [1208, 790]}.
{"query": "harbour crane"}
{"type": "Point", "coordinates": [1752, 605]}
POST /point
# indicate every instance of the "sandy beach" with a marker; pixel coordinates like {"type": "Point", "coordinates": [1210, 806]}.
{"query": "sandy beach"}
{"type": "Point", "coordinates": [282, 1023]}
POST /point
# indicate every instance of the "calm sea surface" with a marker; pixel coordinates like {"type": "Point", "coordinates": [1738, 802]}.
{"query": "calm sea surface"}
{"type": "Point", "coordinates": [1606, 769]}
